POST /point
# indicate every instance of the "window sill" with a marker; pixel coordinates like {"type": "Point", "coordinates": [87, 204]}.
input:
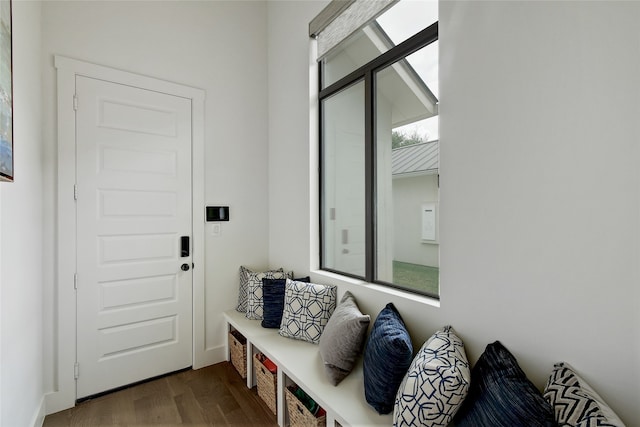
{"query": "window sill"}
{"type": "Point", "coordinates": [322, 276]}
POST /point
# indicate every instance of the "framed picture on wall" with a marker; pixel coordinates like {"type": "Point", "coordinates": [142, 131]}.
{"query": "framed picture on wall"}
{"type": "Point", "coordinates": [6, 93]}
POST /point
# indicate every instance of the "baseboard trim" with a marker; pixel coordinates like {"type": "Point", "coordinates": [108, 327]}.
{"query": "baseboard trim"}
{"type": "Point", "coordinates": [211, 356]}
{"type": "Point", "coordinates": [38, 417]}
{"type": "Point", "coordinates": [57, 401]}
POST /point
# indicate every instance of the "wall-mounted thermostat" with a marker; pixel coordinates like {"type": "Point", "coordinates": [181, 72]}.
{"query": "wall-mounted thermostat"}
{"type": "Point", "coordinates": [217, 213]}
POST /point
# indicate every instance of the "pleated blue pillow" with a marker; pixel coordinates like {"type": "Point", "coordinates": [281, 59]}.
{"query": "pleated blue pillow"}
{"type": "Point", "coordinates": [387, 357]}
{"type": "Point", "coordinates": [273, 296]}
{"type": "Point", "coordinates": [501, 395]}
{"type": "Point", "coordinates": [255, 301]}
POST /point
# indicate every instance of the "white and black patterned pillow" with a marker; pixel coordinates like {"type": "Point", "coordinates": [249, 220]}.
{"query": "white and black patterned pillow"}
{"type": "Point", "coordinates": [436, 383]}
{"type": "Point", "coordinates": [307, 309]}
{"type": "Point", "coordinates": [243, 288]}
{"type": "Point", "coordinates": [575, 403]}
{"type": "Point", "coordinates": [255, 300]}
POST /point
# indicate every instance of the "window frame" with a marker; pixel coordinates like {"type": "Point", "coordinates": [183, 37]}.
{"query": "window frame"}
{"type": "Point", "coordinates": [367, 74]}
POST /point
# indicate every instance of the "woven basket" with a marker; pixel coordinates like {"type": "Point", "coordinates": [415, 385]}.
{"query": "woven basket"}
{"type": "Point", "coordinates": [299, 415]}
{"type": "Point", "coordinates": [267, 382]}
{"type": "Point", "coordinates": [238, 352]}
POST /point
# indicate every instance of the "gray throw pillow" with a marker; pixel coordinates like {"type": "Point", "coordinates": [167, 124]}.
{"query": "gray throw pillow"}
{"type": "Point", "coordinates": [343, 338]}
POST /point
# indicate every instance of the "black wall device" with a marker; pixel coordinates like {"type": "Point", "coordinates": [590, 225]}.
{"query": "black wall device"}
{"type": "Point", "coordinates": [217, 213]}
{"type": "Point", "coordinates": [184, 246]}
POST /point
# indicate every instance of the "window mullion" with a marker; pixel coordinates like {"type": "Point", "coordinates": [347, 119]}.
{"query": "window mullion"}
{"type": "Point", "coordinates": [321, 168]}
{"type": "Point", "coordinates": [370, 167]}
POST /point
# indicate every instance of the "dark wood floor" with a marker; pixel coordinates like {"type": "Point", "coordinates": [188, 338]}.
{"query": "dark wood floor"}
{"type": "Point", "coordinates": [212, 396]}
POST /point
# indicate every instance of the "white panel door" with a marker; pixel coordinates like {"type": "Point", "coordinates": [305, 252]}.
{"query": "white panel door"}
{"type": "Point", "coordinates": [134, 302]}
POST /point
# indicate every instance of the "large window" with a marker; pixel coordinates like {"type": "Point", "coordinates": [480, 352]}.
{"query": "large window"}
{"type": "Point", "coordinates": [379, 159]}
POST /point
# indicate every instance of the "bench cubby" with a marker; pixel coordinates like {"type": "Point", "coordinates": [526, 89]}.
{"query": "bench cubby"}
{"type": "Point", "coordinates": [299, 363]}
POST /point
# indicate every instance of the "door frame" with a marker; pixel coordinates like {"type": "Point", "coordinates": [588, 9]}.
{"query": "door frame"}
{"type": "Point", "coordinates": [64, 394]}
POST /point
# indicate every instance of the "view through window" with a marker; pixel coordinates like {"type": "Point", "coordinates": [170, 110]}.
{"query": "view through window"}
{"type": "Point", "coordinates": [380, 151]}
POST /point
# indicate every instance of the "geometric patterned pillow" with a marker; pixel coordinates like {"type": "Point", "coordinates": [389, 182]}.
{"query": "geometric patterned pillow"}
{"type": "Point", "coordinates": [575, 403]}
{"type": "Point", "coordinates": [255, 302]}
{"type": "Point", "coordinates": [435, 385]}
{"type": "Point", "coordinates": [243, 288]}
{"type": "Point", "coordinates": [307, 309]}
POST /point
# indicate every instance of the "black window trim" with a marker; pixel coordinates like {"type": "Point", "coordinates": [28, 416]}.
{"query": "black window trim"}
{"type": "Point", "coordinates": [366, 74]}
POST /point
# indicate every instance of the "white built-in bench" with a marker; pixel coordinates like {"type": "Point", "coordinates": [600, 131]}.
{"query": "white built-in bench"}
{"type": "Point", "coordinates": [299, 362]}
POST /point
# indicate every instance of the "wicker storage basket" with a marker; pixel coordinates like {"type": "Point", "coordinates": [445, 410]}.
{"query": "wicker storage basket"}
{"type": "Point", "coordinates": [266, 383]}
{"type": "Point", "coordinates": [299, 415]}
{"type": "Point", "coordinates": [238, 350]}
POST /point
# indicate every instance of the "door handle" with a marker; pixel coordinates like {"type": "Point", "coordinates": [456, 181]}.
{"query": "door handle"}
{"type": "Point", "coordinates": [184, 267]}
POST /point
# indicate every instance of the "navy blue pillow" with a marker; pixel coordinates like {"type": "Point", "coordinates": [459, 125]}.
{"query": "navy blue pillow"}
{"type": "Point", "coordinates": [387, 357]}
{"type": "Point", "coordinates": [273, 298]}
{"type": "Point", "coordinates": [501, 394]}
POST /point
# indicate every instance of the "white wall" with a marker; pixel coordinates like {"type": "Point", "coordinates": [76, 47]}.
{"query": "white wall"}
{"type": "Point", "coordinates": [534, 239]}
{"type": "Point", "coordinates": [409, 193]}
{"type": "Point", "coordinates": [539, 202]}
{"type": "Point", "coordinates": [21, 224]}
{"type": "Point", "coordinates": [216, 46]}
{"type": "Point", "coordinates": [539, 184]}
{"type": "Point", "coordinates": [289, 133]}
